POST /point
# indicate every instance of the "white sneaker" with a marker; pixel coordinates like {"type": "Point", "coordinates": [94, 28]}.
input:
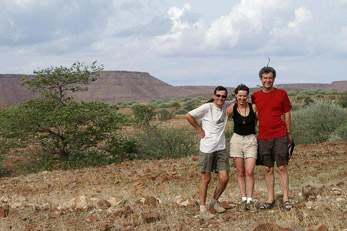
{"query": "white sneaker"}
{"type": "Point", "coordinates": [217, 206]}
{"type": "Point", "coordinates": [206, 215]}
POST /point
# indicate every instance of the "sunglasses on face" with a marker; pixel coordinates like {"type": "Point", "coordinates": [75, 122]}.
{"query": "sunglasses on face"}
{"type": "Point", "coordinates": [223, 96]}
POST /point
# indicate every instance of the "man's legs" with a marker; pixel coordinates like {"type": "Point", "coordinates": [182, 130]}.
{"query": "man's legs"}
{"type": "Point", "coordinates": [222, 183]}
{"type": "Point", "coordinates": [284, 176]}
{"type": "Point", "coordinates": [205, 180]}
{"type": "Point", "coordinates": [270, 183]}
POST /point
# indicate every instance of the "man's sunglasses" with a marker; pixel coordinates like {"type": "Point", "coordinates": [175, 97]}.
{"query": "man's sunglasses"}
{"type": "Point", "coordinates": [223, 96]}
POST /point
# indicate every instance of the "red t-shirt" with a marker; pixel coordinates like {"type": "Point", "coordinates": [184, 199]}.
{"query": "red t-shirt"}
{"type": "Point", "coordinates": [271, 106]}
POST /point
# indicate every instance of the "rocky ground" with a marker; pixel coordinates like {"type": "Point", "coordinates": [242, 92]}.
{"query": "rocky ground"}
{"type": "Point", "coordinates": [162, 195]}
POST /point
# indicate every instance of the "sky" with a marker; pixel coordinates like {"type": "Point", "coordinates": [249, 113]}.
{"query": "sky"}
{"type": "Point", "coordinates": [181, 42]}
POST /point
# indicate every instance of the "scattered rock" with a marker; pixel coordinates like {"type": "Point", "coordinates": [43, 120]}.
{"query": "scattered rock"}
{"type": "Point", "coordinates": [151, 217]}
{"type": "Point", "coordinates": [151, 201]}
{"type": "Point", "coordinates": [104, 204]}
{"type": "Point", "coordinates": [268, 227]}
{"type": "Point", "coordinates": [309, 191]}
{"type": "Point", "coordinates": [336, 191]}
{"type": "Point", "coordinates": [225, 205]}
{"type": "Point", "coordinates": [323, 228]}
{"type": "Point", "coordinates": [4, 211]}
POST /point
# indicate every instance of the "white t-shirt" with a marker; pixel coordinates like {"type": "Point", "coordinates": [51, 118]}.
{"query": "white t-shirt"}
{"type": "Point", "coordinates": [214, 120]}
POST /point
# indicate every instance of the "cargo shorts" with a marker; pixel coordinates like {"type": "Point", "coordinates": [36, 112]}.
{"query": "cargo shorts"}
{"type": "Point", "coordinates": [274, 150]}
{"type": "Point", "coordinates": [214, 161]}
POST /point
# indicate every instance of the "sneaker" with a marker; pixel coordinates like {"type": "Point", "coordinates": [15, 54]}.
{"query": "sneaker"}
{"type": "Point", "coordinates": [243, 206]}
{"type": "Point", "coordinates": [206, 215]}
{"type": "Point", "coordinates": [217, 206]}
{"type": "Point", "coordinates": [251, 207]}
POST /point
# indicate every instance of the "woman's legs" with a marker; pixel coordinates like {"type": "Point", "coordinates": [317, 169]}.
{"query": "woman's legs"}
{"type": "Point", "coordinates": [250, 164]}
{"type": "Point", "coordinates": [241, 175]}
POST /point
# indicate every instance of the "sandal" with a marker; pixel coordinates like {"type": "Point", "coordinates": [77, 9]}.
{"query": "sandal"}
{"type": "Point", "coordinates": [287, 205]}
{"type": "Point", "coordinates": [267, 205]}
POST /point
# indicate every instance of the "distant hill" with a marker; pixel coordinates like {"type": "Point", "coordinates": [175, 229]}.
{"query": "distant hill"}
{"type": "Point", "coordinates": [117, 86]}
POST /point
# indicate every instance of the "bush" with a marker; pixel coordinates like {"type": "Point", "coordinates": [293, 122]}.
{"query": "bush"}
{"type": "Point", "coordinates": [292, 93]}
{"type": "Point", "coordinates": [296, 106]}
{"type": "Point", "coordinates": [164, 114]}
{"type": "Point", "coordinates": [340, 134]}
{"type": "Point", "coordinates": [191, 104]}
{"type": "Point", "coordinates": [143, 113]}
{"type": "Point", "coordinates": [173, 103]}
{"type": "Point", "coordinates": [343, 101]}
{"type": "Point", "coordinates": [332, 92]}
{"type": "Point", "coordinates": [319, 91]}
{"type": "Point", "coordinates": [316, 122]}
{"type": "Point", "coordinates": [180, 112]}
{"type": "Point", "coordinates": [166, 142]}
{"type": "Point", "coordinates": [163, 105]}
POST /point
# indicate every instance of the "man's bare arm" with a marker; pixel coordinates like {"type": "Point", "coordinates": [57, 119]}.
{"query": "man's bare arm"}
{"type": "Point", "coordinates": [287, 121]}
{"type": "Point", "coordinates": [195, 124]}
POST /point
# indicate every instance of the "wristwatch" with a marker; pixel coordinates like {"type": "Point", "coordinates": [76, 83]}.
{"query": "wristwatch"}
{"type": "Point", "coordinates": [288, 132]}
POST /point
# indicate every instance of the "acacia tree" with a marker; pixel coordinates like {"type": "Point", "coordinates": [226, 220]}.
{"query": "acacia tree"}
{"type": "Point", "coordinates": [63, 128]}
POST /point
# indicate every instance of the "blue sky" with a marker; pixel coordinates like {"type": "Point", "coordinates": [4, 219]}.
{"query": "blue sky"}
{"type": "Point", "coordinates": [180, 42]}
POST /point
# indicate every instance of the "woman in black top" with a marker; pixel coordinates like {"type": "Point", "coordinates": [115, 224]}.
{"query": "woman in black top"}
{"type": "Point", "coordinates": [243, 144]}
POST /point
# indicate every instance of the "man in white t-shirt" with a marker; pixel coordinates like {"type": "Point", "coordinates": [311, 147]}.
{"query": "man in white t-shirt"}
{"type": "Point", "coordinates": [213, 156]}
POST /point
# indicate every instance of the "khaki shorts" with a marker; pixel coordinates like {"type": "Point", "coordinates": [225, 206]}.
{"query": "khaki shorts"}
{"type": "Point", "coordinates": [214, 162]}
{"type": "Point", "coordinates": [274, 150]}
{"type": "Point", "coordinates": [243, 146]}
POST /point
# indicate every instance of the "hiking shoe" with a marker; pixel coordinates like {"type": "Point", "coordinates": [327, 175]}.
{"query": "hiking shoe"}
{"type": "Point", "coordinates": [206, 215]}
{"type": "Point", "coordinates": [217, 207]}
{"type": "Point", "coordinates": [251, 207]}
{"type": "Point", "coordinates": [243, 206]}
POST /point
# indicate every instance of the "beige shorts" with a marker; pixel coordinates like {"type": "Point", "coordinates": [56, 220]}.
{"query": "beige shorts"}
{"type": "Point", "coordinates": [243, 146]}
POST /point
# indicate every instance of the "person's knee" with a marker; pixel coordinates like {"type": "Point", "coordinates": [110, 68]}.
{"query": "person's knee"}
{"type": "Point", "coordinates": [249, 173]}
{"type": "Point", "coordinates": [282, 169]}
{"type": "Point", "coordinates": [241, 173]}
{"type": "Point", "coordinates": [269, 170]}
{"type": "Point", "coordinates": [205, 179]}
{"type": "Point", "coordinates": [224, 179]}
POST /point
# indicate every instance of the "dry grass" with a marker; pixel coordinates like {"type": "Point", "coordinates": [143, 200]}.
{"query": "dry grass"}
{"type": "Point", "coordinates": [41, 195]}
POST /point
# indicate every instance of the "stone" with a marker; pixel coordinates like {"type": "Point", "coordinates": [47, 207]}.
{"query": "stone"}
{"type": "Point", "coordinates": [151, 217]}
{"type": "Point", "coordinates": [268, 227]}
{"type": "Point", "coordinates": [104, 204]}
{"type": "Point", "coordinates": [322, 228]}
{"type": "Point", "coordinates": [309, 191]}
{"type": "Point", "coordinates": [151, 201]}
{"type": "Point", "coordinates": [4, 211]}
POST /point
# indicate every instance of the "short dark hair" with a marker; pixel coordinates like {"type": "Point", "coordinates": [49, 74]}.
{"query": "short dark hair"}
{"type": "Point", "coordinates": [220, 88]}
{"type": "Point", "coordinates": [266, 70]}
{"type": "Point", "coordinates": [241, 87]}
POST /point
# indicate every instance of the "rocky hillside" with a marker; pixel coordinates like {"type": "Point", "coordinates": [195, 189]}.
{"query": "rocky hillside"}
{"type": "Point", "coordinates": [163, 194]}
{"type": "Point", "coordinates": [117, 86]}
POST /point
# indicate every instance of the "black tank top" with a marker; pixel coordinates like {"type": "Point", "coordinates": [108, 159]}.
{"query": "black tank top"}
{"type": "Point", "coordinates": [249, 126]}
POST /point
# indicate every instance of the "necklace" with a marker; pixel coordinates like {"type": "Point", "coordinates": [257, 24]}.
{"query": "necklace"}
{"type": "Point", "coordinates": [243, 117]}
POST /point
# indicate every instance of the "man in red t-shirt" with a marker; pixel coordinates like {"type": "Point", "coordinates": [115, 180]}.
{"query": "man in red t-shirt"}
{"type": "Point", "coordinates": [274, 134]}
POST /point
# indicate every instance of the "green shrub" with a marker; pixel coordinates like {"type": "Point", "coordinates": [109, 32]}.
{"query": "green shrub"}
{"type": "Point", "coordinates": [166, 142]}
{"type": "Point", "coordinates": [173, 103]}
{"type": "Point", "coordinates": [180, 111]}
{"type": "Point", "coordinates": [164, 114]}
{"type": "Point", "coordinates": [296, 106]}
{"type": "Point", "coordinates": [332, 92]}
{"type": "Point", "coordinates": [340, 134]}
{"type": "Point", "coordinates": [292, 93]}
{"type": "Point", "coordinates": [143, 113]}
{"type": "Point", "coordinates": [163, 105]}
{"type": "Point", "coordinates": [316, 122]}
{"type": "Point", "coordinates": [191, 104]}
{"type": "Point", "coordinates": [320, 91]}
{"type": "Point", "coordinates": [343, 101]}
